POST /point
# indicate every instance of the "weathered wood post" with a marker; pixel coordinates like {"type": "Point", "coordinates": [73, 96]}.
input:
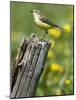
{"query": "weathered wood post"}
{"type": "Point", "coordinates": [28, 67]}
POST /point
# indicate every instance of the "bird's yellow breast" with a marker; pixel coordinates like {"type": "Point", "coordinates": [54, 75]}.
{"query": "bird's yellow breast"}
{"type": "Point", "coordinates": [42, 24]}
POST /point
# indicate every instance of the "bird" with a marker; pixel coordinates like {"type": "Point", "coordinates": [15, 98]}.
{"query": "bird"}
{"type": "Point", "coordinates": [43, 22]}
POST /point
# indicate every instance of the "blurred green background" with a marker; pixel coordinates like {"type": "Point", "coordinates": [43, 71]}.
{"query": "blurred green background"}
{"type": "Point", "coordinates": [57, 78]}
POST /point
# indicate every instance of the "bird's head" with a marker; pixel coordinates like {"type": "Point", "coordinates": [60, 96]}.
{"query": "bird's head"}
{"type": "Point", "coordinates": [35, 12]}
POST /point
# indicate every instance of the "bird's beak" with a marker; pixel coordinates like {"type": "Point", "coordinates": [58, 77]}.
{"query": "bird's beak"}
{"type": "Point", "coordinates": [31, 11]}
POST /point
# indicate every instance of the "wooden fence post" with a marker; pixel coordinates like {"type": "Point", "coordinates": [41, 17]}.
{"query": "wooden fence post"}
{"type": "Point", "coordinates": [28, 67]}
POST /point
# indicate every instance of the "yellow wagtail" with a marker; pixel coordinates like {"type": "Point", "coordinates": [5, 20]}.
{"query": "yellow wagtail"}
{"type": "Point", "coordinates": [43, 22]}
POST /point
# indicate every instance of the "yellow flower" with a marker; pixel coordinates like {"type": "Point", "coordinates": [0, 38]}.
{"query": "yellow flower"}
{"type": "Point", "coordinates": [50, 54]}
{"type": "Point", "coordinates": [67, 27]}
{"type": "Point", "coordinates": [52, 43]}
{"type": "Point", "coordinates": [58, 92]}
{"type": "Point", "coordinates": [56, 67]}
{"type": "Point", "coordinates": [67, 82]}
{"type": "Point", "coordinates": [55, 32]}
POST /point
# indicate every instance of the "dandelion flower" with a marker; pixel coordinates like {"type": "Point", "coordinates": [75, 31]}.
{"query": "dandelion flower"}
{"type": "Point", "coordinates": [67, 82]}
{"type": "Point", "coordinates": [67, 27]}
{"type": "Point", "coordinates": [55, 32]}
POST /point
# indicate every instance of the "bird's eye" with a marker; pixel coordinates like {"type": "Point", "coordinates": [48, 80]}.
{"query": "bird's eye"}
{"type": "Point", "coordinates": [35, 11]}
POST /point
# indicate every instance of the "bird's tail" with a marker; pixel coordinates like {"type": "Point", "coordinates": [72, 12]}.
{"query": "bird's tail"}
{"type": "Point", "coordinates": [64, 30]}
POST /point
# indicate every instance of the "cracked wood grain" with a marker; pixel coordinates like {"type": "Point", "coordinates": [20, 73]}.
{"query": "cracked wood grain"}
{"type": "Point", "coordinates": [30, 63]}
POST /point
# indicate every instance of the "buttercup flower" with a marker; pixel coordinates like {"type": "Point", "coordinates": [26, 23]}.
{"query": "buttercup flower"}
{"type": "Point", "coordinates": [56, 67]}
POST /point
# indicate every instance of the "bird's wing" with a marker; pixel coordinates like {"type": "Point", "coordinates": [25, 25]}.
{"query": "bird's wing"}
{"type": "Point", "coordinates": [47, 21]}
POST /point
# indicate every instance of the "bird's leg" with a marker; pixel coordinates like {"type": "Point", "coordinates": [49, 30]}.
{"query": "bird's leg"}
{"type": "Point", "coordinates": [44, 34]}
